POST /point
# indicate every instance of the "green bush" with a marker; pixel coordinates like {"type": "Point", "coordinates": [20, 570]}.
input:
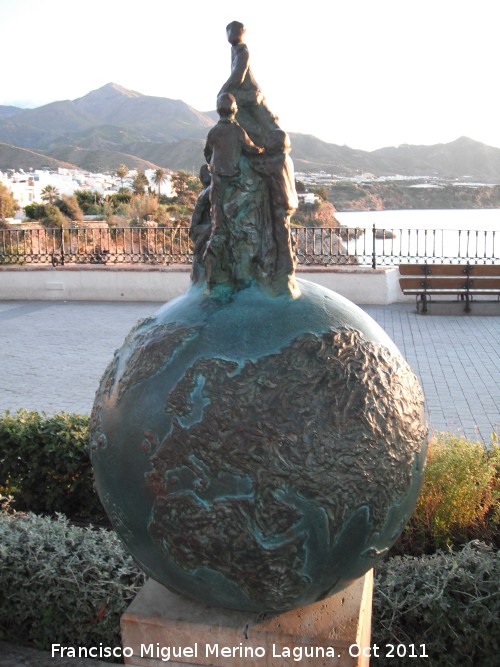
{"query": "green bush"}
{"type": "Point", "coordinates": [69, 585]}
{"type": "Point", "coordinates": [61, 583]}
{"type": "Point", "coordinates": [460, 496]}
{"type": "Point", "coordinates": [448, 601]}
{"type": "Point", "coordinates": [44, 465]}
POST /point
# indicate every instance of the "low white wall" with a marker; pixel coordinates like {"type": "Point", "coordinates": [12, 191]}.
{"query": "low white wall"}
{"type": "Point", "coordinates": [93, 284]}
{"type": "Point", "coordinates": [362, 285]}
{"type": "Point", "coordinates": [359, 284]}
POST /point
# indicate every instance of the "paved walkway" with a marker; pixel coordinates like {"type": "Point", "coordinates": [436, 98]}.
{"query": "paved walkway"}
{"type": "Point", "coordinates": [54, 353]}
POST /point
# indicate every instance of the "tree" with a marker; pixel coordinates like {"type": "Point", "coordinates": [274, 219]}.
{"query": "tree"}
{"type": "Point", "coordinates": [123, 196]}
{"type": "Point", "coordinates": [89, 201]}
{"type": "Point", "coordinates": [140, 183]}
{"type": "Point", "coordinates": [70, 208]}
{"type": "Point", "coordinates": [50, 193]}
{"type": "Point", "coordinates": [54, 217]}
{"type": "Point", "coordinates": [321, 191]}
{"type": "Point", "coordinates": [143, 207]}
{"type": "Point", "coordinates": [159, 177]}
{"type": "Point", "coordinates": [8, 205]}
{"type": "Point", "coordinates": [35, 211]}
{"type": "Point", "coordinates": [122, 172]}
{"type": "Point", "coordinates": [186, 186]}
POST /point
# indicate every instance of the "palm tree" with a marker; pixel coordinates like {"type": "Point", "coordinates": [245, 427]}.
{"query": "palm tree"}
{"type": "Point", "coordinates": [159, 177]}
{"type": "Point", "coordinates": [50, 193]}
{"type": "Point", "coordinates": [140, 183]}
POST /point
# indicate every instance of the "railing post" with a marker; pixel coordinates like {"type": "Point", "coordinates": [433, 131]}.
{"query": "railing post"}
{"type": "Point", "coordinates": [62, 246]}
{"type": "Point", "coordinates": [374, 254]}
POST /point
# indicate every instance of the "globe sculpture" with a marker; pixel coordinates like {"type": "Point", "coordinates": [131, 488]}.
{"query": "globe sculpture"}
{"type": "Point", "coordinates": [259, 443]}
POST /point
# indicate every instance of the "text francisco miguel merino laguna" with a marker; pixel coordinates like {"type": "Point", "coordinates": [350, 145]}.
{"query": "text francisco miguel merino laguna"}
{"type": "Point", "coordinates": [167, 653]}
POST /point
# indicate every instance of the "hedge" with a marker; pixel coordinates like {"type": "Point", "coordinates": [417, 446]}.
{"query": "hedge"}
{"type": "Point", "coordinates": [69, 585]}
{"type": "Point", "coordinates": [61, 583]}
{"type": "Point", "coordinates": [45, 467]}
{"type": "Point", "coordinates": [448, 601]}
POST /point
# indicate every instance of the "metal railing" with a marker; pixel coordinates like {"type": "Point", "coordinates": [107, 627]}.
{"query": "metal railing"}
{"type": "Point", "coordinates": [313, 246]}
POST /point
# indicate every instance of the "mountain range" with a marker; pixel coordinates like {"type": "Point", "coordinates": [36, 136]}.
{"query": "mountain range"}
{"type": "Point", "coordinates": [114, 125]}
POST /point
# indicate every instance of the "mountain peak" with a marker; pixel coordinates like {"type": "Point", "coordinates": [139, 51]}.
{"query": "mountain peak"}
{"type": "Point", "coordinates": [115, 87]}
{"type": "Point", "coordinates": [105, 94]}
{"type": "Point", "coordinates": [467, 142]}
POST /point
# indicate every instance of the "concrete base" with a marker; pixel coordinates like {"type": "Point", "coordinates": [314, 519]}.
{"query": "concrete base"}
{"type": "Point", "coordinates": [160, 626]}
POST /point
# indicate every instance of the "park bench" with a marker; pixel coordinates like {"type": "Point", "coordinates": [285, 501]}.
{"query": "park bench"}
{"type": "Point", "coordinates": [464, 281]}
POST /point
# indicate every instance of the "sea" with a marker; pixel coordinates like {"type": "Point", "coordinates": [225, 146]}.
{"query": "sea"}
{"type": "Point", "coordinates": [435, 235]}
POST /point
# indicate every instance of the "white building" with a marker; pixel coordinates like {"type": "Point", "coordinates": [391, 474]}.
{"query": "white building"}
{"type": "Point", "coordinates": [27, 186]}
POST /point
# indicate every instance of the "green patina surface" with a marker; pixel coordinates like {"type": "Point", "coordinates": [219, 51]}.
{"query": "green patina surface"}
{"type": "Point", "coordinates": [258, 452]}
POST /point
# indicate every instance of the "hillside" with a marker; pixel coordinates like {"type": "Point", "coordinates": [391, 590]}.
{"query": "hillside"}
{"type": "Point", "coordinates": [7, 111]}
{"type": "Point", "coordinates": [157, 118]}
{"type": "Point", "coordinates": [13, 157]}
{"type": "Point", "coordinates": [378, 196]}
{"type": "Point", "coordinates": [70, 122]}
{"type": "Point", "coordinates": [99, 160]}
{"type": "Point", "coordinates": [112, 125]}
{"type": "Point", "coordinates": [463, 158]}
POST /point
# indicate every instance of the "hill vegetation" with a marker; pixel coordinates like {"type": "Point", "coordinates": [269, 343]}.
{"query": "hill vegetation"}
{"type": "Point", "coordinates": [13, 157]}
{"type": "Point", "coordinates": [398, 195]}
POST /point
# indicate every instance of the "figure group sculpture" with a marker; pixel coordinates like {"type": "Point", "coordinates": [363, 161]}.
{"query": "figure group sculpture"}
{"type": "Point", "coordinates": [241, 223]}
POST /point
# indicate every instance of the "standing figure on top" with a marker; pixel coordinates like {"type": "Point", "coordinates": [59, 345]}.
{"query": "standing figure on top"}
{"type": "Point", "coordinates": [253, 113]}
{"type": "Point", "coordinates": [277, 169]}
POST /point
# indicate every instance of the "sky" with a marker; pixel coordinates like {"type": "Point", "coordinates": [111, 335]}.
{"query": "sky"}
{"type": "Point", "coordinates": [363, 73]}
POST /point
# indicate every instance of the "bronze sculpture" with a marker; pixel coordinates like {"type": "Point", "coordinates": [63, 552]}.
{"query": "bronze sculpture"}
{"type": "Point", "coordinates": [201, 225]}
{"type": "Point", "coordinates": [259, 443]}
{"type": "Point", "coordinates": [251, 204]}
{"type": "Point", "coordinates": [253, 113]}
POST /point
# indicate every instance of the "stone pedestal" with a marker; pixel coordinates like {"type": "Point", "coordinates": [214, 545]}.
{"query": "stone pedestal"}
{"type": "Point", "coordinates": [161, 628]}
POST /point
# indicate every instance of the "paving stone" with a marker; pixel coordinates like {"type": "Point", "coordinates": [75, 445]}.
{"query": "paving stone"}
{"type": "Point", "coordinates": [56, 352]}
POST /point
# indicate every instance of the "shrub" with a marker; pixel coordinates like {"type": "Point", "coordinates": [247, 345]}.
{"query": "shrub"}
{"type": "Point", "coordinates": [45, 466]}
{"type": "Point", "coordinates": [460, 496]}
{"type": "Point", "coordinates": [69, 585]}
{"type": "Point", "coordinates": [61, 583]}
{"type": "Point", "coordinates": [447, 601]}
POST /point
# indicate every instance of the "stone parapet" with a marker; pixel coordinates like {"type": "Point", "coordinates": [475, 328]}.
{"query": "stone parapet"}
{"type": "Point", "coordinates": [362, 285]}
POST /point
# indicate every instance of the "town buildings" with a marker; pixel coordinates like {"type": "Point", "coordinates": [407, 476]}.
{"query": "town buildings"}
{"type": "Point", "coordinates": [27, 186]}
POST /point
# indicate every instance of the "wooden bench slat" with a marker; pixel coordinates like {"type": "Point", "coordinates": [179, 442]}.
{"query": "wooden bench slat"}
{"type": "Point", "coordinates": [432, 269]}
{"type": "Point", "coordinates": [431, 283]}
{"type": "Point", "coordinates": [484, 283]}
{"type": "Point", "coordinates": [449, 269]}
{"type": "Point", "coordinates": [484, 270]}
{"type": "Point", "coordinates": [419, 292]}
{"type": "Point", "coordinates": [446, 270]}
{"type": "Point", "coordinates": [411, 269]}
{"type": "Point", "coordinates": [410, 283]}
